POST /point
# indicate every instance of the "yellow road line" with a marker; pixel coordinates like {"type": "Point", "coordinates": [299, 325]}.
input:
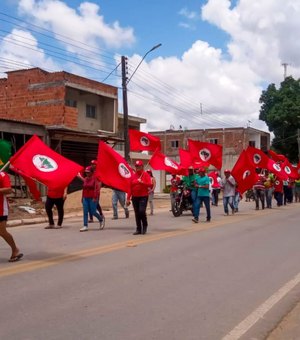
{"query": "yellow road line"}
{"type": "Point", "coordinates": [22, 267]}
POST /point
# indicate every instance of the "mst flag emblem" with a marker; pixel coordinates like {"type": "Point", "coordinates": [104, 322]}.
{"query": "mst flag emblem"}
{"type": "Point", "coordinates": [256, 158]}
{"type": "Point", "coordinates": [124, 171]}
{"type": "Point", "coordinates": [44, 163]}
{"type": "Point", "coordinates": [205, 154]}
{"type": "Point", "coordinates": [145, 141]}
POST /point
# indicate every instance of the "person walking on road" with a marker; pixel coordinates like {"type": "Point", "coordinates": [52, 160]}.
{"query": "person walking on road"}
{"type": "Point", "coordinates": [55, 197]}
{"type": "Point", "coordinates": [139, 191]}
{"type": "Point", "coordinates": [119, 196]}
{"type": "Point", "coordinates": [202, 184]}
{"type": "Point", "coordinates": [90, 197]}
{"type": "Point", "coordinates": [228, 185]}
{"type": "Point", "coordinates": [5, 188]}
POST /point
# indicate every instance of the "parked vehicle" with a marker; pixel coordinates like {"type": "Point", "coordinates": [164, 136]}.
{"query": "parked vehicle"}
{"type": "Point", "coordinates": [183, 201]}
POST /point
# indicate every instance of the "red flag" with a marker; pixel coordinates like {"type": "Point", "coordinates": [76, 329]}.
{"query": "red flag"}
{"type": "Point", "coordinates": [214, 179]}
{"type": "Point", "coordinates": [159, 161]}
{"type": "Point", "coordinates": [112, 168]}
{"type": "Point", "coordinates": [290, 170]}
{"type": "Point", "coordinates": [36, 160]}
{"type": "Point", "coordinates": [208, 153]}
{"type": "Point", "coordinates": [277, 170]}
{"type": "Point", "coordinates": [185, 158]}
{"type": "Point", "coordinates": [244, 172]}
{"type": "Point", "coordinates": [276, 157]}
{"type": "Point", "coordinates": [142, 141]}
{"type": "Point", "coordinates": [30, 183]}
{"type": "Point", "coordinates": [257, 157]}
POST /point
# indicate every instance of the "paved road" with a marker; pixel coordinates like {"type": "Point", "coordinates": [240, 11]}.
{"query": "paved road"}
{"type": "Point", "coordinates": [235, 277]}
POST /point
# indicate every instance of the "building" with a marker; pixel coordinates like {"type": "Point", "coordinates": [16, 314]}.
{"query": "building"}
{"type": "Point", "coordinates": [233, 141]}
{"type": "Point", "coordinates": [69, 113]}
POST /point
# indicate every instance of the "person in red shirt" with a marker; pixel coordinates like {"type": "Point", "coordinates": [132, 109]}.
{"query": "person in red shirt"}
{"type": "Point", "coordinates": [139, 191]}
{"type": "Point", "coordinates": [175, 181]}
{"type": "Point", "coordinates": [278, 192]}
{"type": "Point", "coordinates": [90, 197]}
{"type": "Point", "coordinates": [5, 188]}
{"type": "Point", "coordinates": [55, 197]}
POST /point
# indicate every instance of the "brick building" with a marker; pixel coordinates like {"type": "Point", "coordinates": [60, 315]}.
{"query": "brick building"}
{"type": "Point", "coordinates": [70, 113]}
{"type": "Point", "coordinates": [233, 141]}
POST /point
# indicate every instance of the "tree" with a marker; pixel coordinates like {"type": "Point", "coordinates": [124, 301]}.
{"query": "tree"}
{"type": "Point", "coordinates": [280, 110]}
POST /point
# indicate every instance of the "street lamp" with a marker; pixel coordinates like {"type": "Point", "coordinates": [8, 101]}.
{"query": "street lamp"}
{"type": "Point", "coordinates": [125, 82]}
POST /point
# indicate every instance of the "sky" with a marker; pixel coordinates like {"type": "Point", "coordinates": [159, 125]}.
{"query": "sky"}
{"type": "Point", "coordinates": [215, 59]}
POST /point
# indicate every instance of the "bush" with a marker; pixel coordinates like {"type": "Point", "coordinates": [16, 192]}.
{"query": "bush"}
{"type": "Point", "coordinates": [166, 190]}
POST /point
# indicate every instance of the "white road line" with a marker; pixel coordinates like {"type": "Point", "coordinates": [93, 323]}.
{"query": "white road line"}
{"type": "Point", "coordinates": [258, 313]}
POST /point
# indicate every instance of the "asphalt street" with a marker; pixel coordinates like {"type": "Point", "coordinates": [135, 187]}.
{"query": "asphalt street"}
{"type": "Point", "coordinates": [236, 277]}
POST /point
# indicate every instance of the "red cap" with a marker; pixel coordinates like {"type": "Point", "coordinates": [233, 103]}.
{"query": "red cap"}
{"type": "Point", "coordinates": [202, 169]}
{"type": "Point", "coordinates": [139, 163]}
{"type": "Point", "coordinates": [94, 162]}
{"type": "Point", "coordinates": [227, 171]}
{"type": "Point", "coordinates": [88, 169]}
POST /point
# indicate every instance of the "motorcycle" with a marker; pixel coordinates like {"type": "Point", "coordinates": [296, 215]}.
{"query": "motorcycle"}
{"type": "Point", "coordinates": [183, 201]}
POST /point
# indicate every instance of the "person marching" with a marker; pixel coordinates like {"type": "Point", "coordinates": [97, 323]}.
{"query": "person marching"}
{"type": "Point", "coordinates": [119, 196]}
{"type": "Point", "coordinates": [228, 185]}
{"type": "Point", "coordinates": [175, 181]}
{"type": "Point", "coordinates": [189, 182]}
{"type": "Point", "coordinates": [98, 208]}
{"type": "Point", "coordinates": [5, 188]}
{"type": "Point", "coordinates": [55, 197]}
{"type": "Point", "coordinates": [139, 191]}
{"type": "Point", "coordinates": [202, 184]}
{"type": "Point", "coordinates": [90, 197]}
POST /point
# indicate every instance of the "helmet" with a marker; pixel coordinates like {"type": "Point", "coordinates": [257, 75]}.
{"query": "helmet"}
{"type": "Point", "coordinates": [94, 162]}
{"type": "Point", "coordinates": [139, 163]}
{"type": "Point", "coordinates": [88, 169]}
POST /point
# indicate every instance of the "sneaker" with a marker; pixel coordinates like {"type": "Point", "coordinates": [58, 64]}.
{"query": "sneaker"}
{"type": "Point", "coordinates": [195, 220]}
{"type": "Point", "coordinates": [58, 227]}
{"type": "Point", "coordinates": [127, 214]}
{"type": "Point", "coordinates": [208, 220]}
{"type": "Point", "coordinates": [91, 221]}
{"type": "Point", "coordinates": [137, 233]}
{"type": "Point", "coordinates": [50, 226]}
{"type": "Point", "coordinates": [84, 228]}
{"type": "Point", "coordinates": [114, 218]}
{"type": "Point", "coordinates": [102, 223]}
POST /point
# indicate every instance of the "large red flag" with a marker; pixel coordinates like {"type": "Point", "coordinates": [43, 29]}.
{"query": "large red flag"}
{"type": "Point", "coordinates": [142, 141]}
{"type": "Point", "coordinates": [36, 160]}
{"type": "Point", "coordinates": [186, 160]}
{"type": "Point", "coordinates": [290, 170]}
{"type": "Point", "coordinates": [208, 153]}
{"type": "Point", "coordinates": [244, 173]}
{"type": "Point", "coordinates": [257, 157]}
{"type": "Point", "coordinates": [159, 161]}
{"type": "Point", "coordinates": [277, 170]}
{"type": "Point", "coordinates": [112, 169]}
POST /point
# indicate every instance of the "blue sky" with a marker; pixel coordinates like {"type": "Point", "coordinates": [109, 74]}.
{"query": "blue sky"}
{"type": "Point", "coordinates": [216, 55]}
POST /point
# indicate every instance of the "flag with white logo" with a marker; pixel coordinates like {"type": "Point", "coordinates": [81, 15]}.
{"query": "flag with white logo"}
{"type": "Point", "coordinates": [112, 168]}
{"type": "Point", "coordinates": [37, 160]}
{"type": "Point", "coordinates": [142, 141]}
{"type": "Point", "coordinates": [159, 161]}
{"type": "Point", "coordinates": [208, 153]}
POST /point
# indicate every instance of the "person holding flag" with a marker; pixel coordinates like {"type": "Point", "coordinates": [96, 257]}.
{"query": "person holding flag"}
{"type": "Point", "coordinates": [139, 193]}
{"type": "Point", "coordinates": [5, 188]}
{"type": "Point", "coordinates": [228, 184]}
{"type": "Point", "coordinates": [90, 197]}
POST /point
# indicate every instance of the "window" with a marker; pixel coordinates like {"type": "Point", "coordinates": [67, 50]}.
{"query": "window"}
{"type": "Point", "coordinates": [213, 140]}
{"type": "Point", "coordinates": [252, 143]}
{"type": "Point", "coordinates": [71, 102]}
{"type": "Point", "coordinates": [175, 144]}
{"type": "Point", "coordinates": [90, 111]}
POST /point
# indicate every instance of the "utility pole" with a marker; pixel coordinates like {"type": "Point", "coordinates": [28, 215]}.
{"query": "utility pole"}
{"type": "Point", "coordinates": [285, 65]}
{"type": "Point", "coordinates": [125, 108]}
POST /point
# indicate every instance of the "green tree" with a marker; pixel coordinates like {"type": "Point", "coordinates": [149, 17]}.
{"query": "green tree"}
{"type": "Point", "coordinates": [280, 109]}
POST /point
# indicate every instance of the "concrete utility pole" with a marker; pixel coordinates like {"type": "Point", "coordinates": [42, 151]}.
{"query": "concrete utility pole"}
{"type": "Point", "coordinates": [125, 108]}
{"type": "Point", "coordinates": [285, 65]}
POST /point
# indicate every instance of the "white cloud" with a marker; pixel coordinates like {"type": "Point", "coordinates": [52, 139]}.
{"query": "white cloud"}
{"type": "Point", "coordinates": [85, 25]}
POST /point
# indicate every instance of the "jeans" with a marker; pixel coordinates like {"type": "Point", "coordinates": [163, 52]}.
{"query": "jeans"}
{"type": "Point", "coordinates": [269, 195]}
{"type": "Point", "coordinates": [90, 207]}
{"type": "Point", "coordinates": [228, 200]}
{"type": "Point", "coordinates": [198, 202]}
{"type": "Point", "coordinates": [150, 200]}
{"type": "Point", "coordinates": [278, 197]}
{"type": "Point", "coordinates": [172, 197]}
{"type": "Point", "coordinates": [236, 201]}
{"type": "Point", "coordinates": [118, 196]}
{"type": "Point", "coordinates": [259, 195]}
{"type": "Point", "coordinates": [194, 204]}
